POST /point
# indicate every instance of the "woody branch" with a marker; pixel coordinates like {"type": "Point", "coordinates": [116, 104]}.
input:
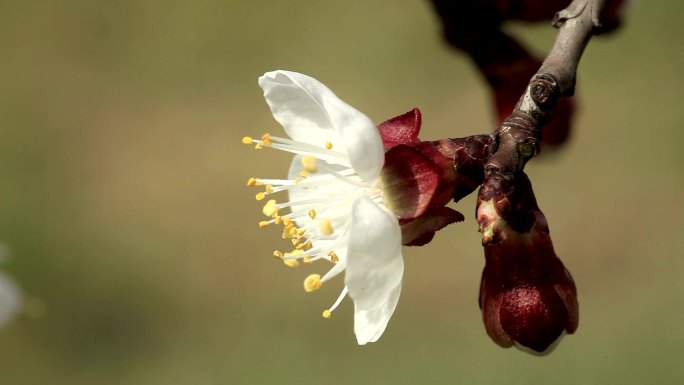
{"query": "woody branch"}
{"type": "Point", "coordinates": [520, 133]}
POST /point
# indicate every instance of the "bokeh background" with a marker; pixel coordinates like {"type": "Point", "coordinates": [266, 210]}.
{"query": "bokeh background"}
{"type": "Point", "coordinates": [128, 225]}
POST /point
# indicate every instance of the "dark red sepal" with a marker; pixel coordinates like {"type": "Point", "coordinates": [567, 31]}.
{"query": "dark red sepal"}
{"type": "Point", "coordinates": [421, 230]}
{"type": "Point", "coordinates": [402, 129]}
{"type": "Point", "coordinates": [409, 180]}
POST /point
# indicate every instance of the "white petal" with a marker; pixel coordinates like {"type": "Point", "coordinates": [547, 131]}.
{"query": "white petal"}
{"type": "Point", "coordinates": [375, 268]}
{"type": "Point", "coordinates": [11, 299]}
{"type": "Point", "coordinates": [310, 112]}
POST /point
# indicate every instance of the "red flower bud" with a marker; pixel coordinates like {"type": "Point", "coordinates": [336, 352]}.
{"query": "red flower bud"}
{"type": "Point", "coordinates": [527, 296]}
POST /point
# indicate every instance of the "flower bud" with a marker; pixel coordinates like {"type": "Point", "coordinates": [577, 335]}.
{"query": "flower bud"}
{"type": "Point", "coordinates": [527, 296]}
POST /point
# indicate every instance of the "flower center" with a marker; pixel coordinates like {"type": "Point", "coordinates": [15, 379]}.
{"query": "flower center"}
{"type": "Point", "coordinates": [321, 188]}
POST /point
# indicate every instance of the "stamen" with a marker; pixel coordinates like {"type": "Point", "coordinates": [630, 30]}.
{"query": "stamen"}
{"type": "Point", "coordinates": [302, 148]}
{"type": "Point", "coordinates": [328, 145]}
{"type": "Point", "coordinates": [270, 208]}
{"type": "Point", "coordinates": [286, 231]}
{"type": "Point", "coordinates": [309, 163]}
{"type": "Point", "coordinates": [269, 189]}
{"type": "Point", "coordinates": [291, 262]}
{"type": "Point", "coordinates": [266, 140]}
{"type": "Point", "coordinates": [312, 283]}
{"type": "Point", "coordinates": [339, 175]}
{"type": "Point", "coordinates": [278, 254]}
{"type": "Point", "coordinates": [293, 232]}
{"type": "Point", "coordinates": [333, 257]}
{"type": "Point", "coordinates": [307, 259]}
{"type": "Point", "coordinates": [328, 313]}
{"type": "Point", "coordinates": [293, 254]}
{"type": "Point", "coordinates": [273, 181]}
{"type": "Point", "coordinates": [312, 214]}
{"type": "Point", "coordinates": [247, 140]}
{"type": "Point", "coordinates": [326, 227]}
{"type": "Point", "coordinates": [263, 224]}
{"type": "Point", "coordinates": [251, 182]}
{"type": "Point", "coordinates": [260, 196]}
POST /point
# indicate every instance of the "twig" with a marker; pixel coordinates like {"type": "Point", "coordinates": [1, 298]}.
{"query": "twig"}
{"type": "Point", "coordinates": [520, 133]}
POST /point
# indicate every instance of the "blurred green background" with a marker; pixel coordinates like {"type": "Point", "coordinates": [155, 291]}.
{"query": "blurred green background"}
{"type": "Point", "coordinates": [123, 205]}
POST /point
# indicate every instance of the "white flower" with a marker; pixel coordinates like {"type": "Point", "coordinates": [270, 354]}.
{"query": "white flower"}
{"type": "Point", "coordinates": [336, 208]}
{"type": "Point", "coordinates": [11, 297]}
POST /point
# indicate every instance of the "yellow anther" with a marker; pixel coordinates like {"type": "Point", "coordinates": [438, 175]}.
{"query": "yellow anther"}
{"type": "Point", "coordinates": [304, 245]}
{"type": "Point", "coordinates": [312, 283]}
{"type": "Point", "coordinates": [260, 196]}
{"type": "Point", "coordinates": [307, 259]}
{"type": "Point", "coordinates": [270, 208]}
{"type": "Point", "coordinates": [326, 227]}
{"type": "Point", "coordinates": [296, 242]}
{"type": "Point", "coordinates": [312, 214]}
{"type": "Point", "coordinates": [333, 257]}
{"type": "Point", "coordinates": [247, 140]}
{"type": "Point", "coordinates": [303, 174]}
{"type": "Point", "coordinates": [278, 254]}
{"type": "Point", "coordinates": [293, 232]}
{"type": "Point", "coordinates": [287, 221]}
{"type": "Point", "coordinates": [309, 163]}
{"type": "Point", "coordinates": [266, 140]}
{"type": "Point", "coordinates": [298, 180]}
{"type": "Point", "coordinates": [251, 182]}
{"type": "Point", "coordinates": [263, 224]}
{"type": "Point", "coordinates": [277, 220]}
{"type": "Point", "coordinates": [300, 232]}
{"type": "Point", "coordinates": [328, 145]}
{"type": "Point", "coordinates": [291, 262]}
{"type": "Point", "coordinates": [327, 314]}
{"type": "Point", "coordinates": [258, 146]}
{"type": "Point", "coordinates": [269, 189]}
{"type": "Point", "coordinates": [293, 253]}
{"type": "Point", "coordinates": [286, 231]}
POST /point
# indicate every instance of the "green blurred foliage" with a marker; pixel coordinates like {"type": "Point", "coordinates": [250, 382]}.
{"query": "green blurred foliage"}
{"type": "Point", "coordinates": [123, 205]}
